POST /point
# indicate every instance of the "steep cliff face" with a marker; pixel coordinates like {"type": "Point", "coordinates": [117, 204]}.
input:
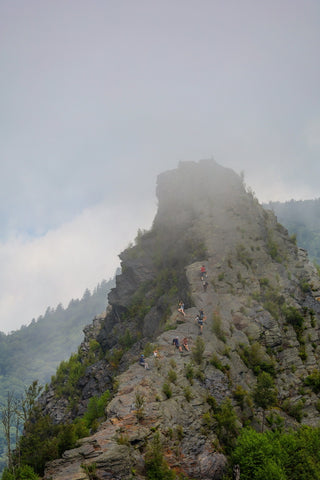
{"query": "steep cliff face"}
{"type": "Point", "coordinates": [262, 314]}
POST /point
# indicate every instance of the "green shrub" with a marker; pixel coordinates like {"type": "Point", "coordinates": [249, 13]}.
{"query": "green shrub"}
{"type": "Point", "coordinates": [148, 349]}
{"type": "Point", "coordinates": [272, 308]}
{"type": "Point", "coordinates": [90, 470]}
{"type": "Point", "coordinates": [213, 403]}
{"type": "Point", "coordinates": [223, 420]}
{"type": "Point", "coordinates": [96, 408]}
{"type": "Point", "coordinates": [156, 466]}
{"type": "Point", "coordinates": [255, 357]}
{"type": "Point", "coordinates": [293, 238]}
{"type": "Point", "coordinates": [313, 381]}
{"type": "Point", "coordinates": [189, 373]}
{"type": "Point", "coordinates": [139, 305]}
{"type": "Point", "coordinates": [293, 409]}
{"type": "Point", "coordinates": [173, 363]}
{"type": "Point", "coordinates": [66, 438]}
{"type": "Point", "coordinates": [272, 248]}
{"type": "Point", "coordinates": [127, 340]}
{"type": "Point", "coordinates": [198, 350]}
{"type": "Point", "coordinates": [167, 390]}
{"type": "Point", "coordinates": [67, 376]}
{"type": "Point", "coordinates": [214, 360]}
{"type": "Point", "coordinates": [81, 428]}
{"type": "Point", "coordinates": [243, 256]}
{"type": "Point", "coordinates": [114, 356]}
{"type": "Point", "coordinates": [240, 394]}
{"type": "Point", "coordinates": [172, 376]}
{"type": "Point", "coordinates": [179, 433]}
{"type": "Point", "coordinates": [24, 472]}
{"type": "Point", "coordinates": [270, 299]}
{"type": "Point", "coordinates": [275, 422]}
{"type": "Point", "coordinates": [302, 353]}
{"type": "Point", "coordinates": [94, 345]}
{"type": "Point", "coordinates": [139, 405]}
{"type": "Point", "coordinates": [39, 444]}
{"type": "Point", "coordinates": [123, 439]}
{"type": "Point", "coordinates": [187, 393]}
{"type": "Point", "coordinates": [305, 286]}
{"type": "Point", "coordinates": [265, 393]}
{"type": "Point", "coordinates": [293, 316]}
{"type": "Point", "coordinates": [217, 327]}
{"type": "Point", "coordinates": [199, 374]}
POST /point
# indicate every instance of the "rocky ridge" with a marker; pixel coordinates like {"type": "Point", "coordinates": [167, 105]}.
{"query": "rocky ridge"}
{"type": "Point", "coordinates": [254, 269]}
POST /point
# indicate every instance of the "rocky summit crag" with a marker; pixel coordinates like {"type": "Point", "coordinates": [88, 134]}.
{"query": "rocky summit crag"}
{"type": "Point", "coordinates": [262, 315]}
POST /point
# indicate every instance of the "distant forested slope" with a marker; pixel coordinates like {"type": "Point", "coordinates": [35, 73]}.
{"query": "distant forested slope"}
{"type": "Point", "coordinates": [302, 218]}
{"type": "Point", "coordinates": [35, 351]}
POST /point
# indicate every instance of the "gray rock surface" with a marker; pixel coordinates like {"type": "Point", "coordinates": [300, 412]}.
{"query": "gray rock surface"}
{"type": "Point", "coordinates": [253, 269]}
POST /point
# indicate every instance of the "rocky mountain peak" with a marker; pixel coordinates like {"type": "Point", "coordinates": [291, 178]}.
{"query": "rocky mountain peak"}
{"type": "Point", "coordinates": [260, 301]}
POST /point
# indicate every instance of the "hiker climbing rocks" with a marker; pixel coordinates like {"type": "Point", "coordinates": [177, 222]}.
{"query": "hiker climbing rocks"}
{"type": "Point", "coordinates": [176, 343]}
{"type": "Point", "coordinates": [203, 272]}
{"type": "Point", "coordinates": [200, 318]}
{"type": "Point", "coordinates": [142, 362]}
{"type": "Point", "coordinates": [205, 285]}
{"type": "Point", "coordinates": [185, 344]}
{"type": "Point", "coordinates": [181, 308]}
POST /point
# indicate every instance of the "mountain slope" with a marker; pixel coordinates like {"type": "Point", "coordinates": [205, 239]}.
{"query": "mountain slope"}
{"type": "Point", "coordinates": [262, 325]}
{"type": "Point", "coordinates": [301, 218]}
{"type": "Point", "coordinates": [35, 351]}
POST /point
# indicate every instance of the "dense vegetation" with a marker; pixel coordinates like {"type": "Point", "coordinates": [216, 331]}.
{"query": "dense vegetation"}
{"type": "Point", "coordinates": [43, 439]}
{"type": "Point", "coordinates": [277, 455]}
{"type": "Point", "coordinates": [301, 218]}
{"type": "Point", "coordinates": [35, 351]}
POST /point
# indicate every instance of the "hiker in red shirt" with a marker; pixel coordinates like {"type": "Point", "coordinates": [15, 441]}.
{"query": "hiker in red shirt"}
{"type": "Point", "coordinates": [203, 272]}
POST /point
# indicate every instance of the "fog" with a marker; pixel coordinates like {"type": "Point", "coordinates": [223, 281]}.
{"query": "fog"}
{"type": "Point", "coordinates": [99, 98]}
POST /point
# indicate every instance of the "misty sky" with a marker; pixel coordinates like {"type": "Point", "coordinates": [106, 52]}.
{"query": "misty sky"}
{"type": "Point", "coordinates": [98, 97]}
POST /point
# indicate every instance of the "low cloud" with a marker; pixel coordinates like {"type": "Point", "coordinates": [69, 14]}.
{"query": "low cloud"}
{"type": "Point", "coordinates": [41, 272]}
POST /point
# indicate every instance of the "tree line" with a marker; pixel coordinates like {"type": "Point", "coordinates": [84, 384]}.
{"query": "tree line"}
{"type": "Point", "coordinates": [35, 351]}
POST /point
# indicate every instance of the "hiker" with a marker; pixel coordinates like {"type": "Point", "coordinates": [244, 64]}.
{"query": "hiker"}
{"type": "Point", "coordinates": [205, 285]}
{"type": "Point", "coordinates": [176, 343]}
{"type": "Point", "coordinates": [236, 472]}
{"type": "Point", "coordinates": [185, 344]}
{"type": "Point", "coordinates": [142, 362]}
{"type": "Point", "coordinates": [200, 319]}
{"type": "Point", "coordinates": [203, 272]}
{"type": "Point", "coordinates": [156, 353]}
{"type": "Point", "coordinates": [181, 308]}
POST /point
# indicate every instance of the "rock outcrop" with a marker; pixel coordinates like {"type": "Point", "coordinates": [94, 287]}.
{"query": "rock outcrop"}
{"type": "Point", "coordinates": [260, 286]}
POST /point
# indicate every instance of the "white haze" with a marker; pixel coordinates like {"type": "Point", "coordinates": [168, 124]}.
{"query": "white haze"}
{"type": "Point", "coordinates": [59, 266]}
{"type": "Point", "coordinates": [99, 97]}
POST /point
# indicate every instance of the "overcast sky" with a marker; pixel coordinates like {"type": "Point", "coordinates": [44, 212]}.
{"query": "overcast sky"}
{"type": "Point", "coordinates": [98, 97]}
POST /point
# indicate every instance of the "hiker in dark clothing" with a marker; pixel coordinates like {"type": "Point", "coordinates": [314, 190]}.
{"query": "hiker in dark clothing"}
{"type": "Point", "coordinates": [142, 362]}
{"type": "Point", "coordinates": [205, 285]}
{"type": "Point", "coordinates": [200, 319]}
{"type": "Point", "coordinates": [176, 343]}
